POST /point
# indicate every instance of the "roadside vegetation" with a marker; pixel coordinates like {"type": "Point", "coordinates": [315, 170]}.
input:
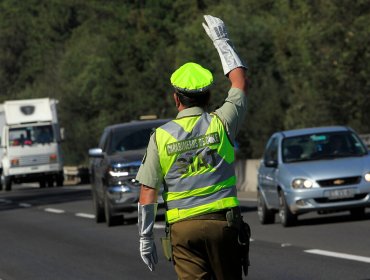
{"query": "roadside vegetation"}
{"type": "Point", "coordinates": [110, 61]}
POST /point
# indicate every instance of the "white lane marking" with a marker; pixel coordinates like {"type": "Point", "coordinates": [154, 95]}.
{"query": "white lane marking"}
{"type": "Point", "coordinates": [159, 226]}
{"type": "Point", "coordinates": [5, 200]}
{"type": "Point", "coordinates": [84, 215]}
{"type": "Point", "coordinates": [53, 210]}
{"type": "Point", "coordinates": [339, 255]}
{"type": "Point", "coordinates": [25, 205]}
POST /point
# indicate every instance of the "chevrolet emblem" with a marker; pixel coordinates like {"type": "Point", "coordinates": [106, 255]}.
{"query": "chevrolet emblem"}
{"type": "Point", "coordinates": [338, 182]}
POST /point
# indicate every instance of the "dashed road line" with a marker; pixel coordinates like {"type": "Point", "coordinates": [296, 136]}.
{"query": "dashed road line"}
{"type": "Point", "coordinates": [24, 205]}
{"type": "Point", "coordinates": [338, 255]}
{"type": "Point", "coordinates": [85, 215]}
{"type": "Point", "coordinates": [53, 210]}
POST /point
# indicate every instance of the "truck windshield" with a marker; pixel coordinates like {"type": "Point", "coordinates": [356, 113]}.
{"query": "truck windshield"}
{"type": "Point", "coordinates": [31, 135]}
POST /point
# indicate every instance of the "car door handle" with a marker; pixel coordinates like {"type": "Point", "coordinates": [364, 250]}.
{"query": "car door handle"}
{"type": "Point", "coordinates": [268, 178]}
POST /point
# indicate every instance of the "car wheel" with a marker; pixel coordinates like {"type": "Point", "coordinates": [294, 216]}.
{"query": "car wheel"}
{"type": "Point", "coordinates": [358, 213]}
{"type": "Point", "coordinates": [110, 219]}
{"type": "Point", "coordinates": [98, 209]}
{"type": "Point", "coordinates": [265, 215]}
{"type": "Point", "coordinates": [287, 218]}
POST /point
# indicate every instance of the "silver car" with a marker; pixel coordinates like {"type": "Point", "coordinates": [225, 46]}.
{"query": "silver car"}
{"type": "Point", "coordinates": [320, 169]}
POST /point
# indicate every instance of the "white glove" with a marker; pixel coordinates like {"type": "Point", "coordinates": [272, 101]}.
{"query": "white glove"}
{"type": "Point", "coordinates": [148, 252]}
{"type": "Point", "coordinates": [216, 30]}
{"type": "Point", "coordinates": [146, 219]}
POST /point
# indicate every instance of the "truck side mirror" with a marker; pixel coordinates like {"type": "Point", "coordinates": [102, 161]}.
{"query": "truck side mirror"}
{"type": "Point", "coordinates": [61, 133]}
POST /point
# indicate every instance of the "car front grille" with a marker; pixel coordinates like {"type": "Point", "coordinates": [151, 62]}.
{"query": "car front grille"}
{"type": "Point", "coordinates": [337, 182]}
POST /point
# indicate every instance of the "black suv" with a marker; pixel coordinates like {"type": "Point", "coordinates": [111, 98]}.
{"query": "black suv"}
{"type": "Point", "coordinates": [113, 168]}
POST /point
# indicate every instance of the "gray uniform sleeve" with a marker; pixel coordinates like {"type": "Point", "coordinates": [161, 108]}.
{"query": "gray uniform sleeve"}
{"type": "Point", "coordinates": [233, 111]}
{"type": "Point", "coordinates": [150, 173]}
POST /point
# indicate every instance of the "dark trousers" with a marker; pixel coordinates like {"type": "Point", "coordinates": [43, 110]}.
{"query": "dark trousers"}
{"type": "Point", "coordinates": [205, 249]}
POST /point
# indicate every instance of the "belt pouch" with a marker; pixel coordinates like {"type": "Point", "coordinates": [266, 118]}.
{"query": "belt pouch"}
{"type": "Point", "coordinates": [166, 244]}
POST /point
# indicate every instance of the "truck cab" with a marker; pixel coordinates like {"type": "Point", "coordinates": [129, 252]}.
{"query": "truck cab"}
{"type": "Point", "coordinates": [30, 143]}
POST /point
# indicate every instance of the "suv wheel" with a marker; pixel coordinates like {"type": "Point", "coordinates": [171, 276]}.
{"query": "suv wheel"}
{"type": "Point", "coordinates": [265, 215]}
{"type": "Point", "coordinates": [110, 219]}
{"type": "Point", "coordinates": [98, 209]}
{"type": "Point", "coordinates": [287, 218]}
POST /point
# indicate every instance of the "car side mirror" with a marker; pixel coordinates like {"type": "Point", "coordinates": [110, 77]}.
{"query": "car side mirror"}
{"type": "Point", "coordinates": [271, 163]}
{"type": "Point", "coordinates": [96, 153]}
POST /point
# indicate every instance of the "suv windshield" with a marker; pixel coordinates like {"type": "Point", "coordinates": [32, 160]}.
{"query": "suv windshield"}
{"type": "Point", "coordinates": [129, 139]}
{"type": "Point", "coordinates": [322, 146]}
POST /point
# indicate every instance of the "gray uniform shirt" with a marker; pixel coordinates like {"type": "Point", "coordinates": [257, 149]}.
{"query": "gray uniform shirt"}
{"type": "Point", "coordinates": [231, 113]}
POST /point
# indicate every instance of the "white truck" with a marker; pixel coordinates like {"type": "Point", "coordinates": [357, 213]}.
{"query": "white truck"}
{"type": "Point", "coordinates": [30, 143]}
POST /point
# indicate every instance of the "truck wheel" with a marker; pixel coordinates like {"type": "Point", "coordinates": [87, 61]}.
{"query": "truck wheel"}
{"type": "Point", "coordinates": [60, 180]}
{"type": "Point", "coordinates": [50, 182]}
{"type": "Point", "coordinates": [98, 209]}
{"type": "Point", "coordinates": [287, 218]}
{"type": "Point", "coordinates": [8, 183]}
{"type": "Point", "coordinates": [110, 219]}
{"type": "Point", "coordinates": [265, 215]}
{"type": "Point", "coordinates": [42, 183]}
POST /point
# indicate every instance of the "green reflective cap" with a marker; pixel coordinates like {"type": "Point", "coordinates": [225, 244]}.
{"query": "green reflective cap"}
{"type": "Point", "coordinates": [191, 78]}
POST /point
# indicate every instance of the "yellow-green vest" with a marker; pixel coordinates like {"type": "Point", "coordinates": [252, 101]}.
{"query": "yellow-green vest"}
{"type": "Point", "coordinates": [197, 162]}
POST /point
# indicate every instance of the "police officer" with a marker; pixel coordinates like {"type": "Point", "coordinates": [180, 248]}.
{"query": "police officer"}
{"type": "Point", "coordinates": [193, 157]}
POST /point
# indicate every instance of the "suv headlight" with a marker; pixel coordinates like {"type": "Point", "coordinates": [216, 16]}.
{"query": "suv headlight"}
{"type": "Point", "coordinates": [301, 183]}
{"type": "Point", "coordinates": [118, 173]}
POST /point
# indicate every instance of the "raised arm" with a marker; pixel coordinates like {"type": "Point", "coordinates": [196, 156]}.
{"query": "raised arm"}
{"type": "Point", "coordinates": [234, 68]}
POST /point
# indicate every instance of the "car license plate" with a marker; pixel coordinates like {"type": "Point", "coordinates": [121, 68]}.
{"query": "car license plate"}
{"type": "Point", "coordinates": [338, 194]}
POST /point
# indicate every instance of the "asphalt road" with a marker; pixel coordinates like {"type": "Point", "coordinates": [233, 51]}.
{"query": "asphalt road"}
{"type": "Point", "coordinates": [51, 234]}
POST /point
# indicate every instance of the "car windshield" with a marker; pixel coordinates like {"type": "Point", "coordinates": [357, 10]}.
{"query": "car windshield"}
{"type": "Point", "coordinates": [31, 135]}
{"type": "Point", "coordinates": [136, 138]}
{"type": "Point", "coordinates": [322, 146]}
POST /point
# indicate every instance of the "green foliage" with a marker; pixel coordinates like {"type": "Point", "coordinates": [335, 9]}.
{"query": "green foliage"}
{"type": "Point", "coordinates": [110, 61]}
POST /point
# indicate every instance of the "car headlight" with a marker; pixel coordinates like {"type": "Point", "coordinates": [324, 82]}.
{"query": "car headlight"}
{"type": "Point", "coordinates": [302, 183]}
{"type": "Point", "coordinates": [367, 177]}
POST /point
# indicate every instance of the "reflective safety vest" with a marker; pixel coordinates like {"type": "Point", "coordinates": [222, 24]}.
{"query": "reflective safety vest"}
{"type": "Point", "coordinates": [197, 161]}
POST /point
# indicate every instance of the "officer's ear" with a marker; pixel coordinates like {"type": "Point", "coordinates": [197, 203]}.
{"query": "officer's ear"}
{"type": "Point", "coordinates": [177, 100]}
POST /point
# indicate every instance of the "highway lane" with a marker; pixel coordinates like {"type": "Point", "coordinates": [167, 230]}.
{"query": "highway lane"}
{"type": "Point", "coordinates": [51, 234]}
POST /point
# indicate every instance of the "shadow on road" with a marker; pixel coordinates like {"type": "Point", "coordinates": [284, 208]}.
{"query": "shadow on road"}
{"type": "Point", "coordinates": [340, 218]}
{"type": "Point", "coordinates": [39, 197]}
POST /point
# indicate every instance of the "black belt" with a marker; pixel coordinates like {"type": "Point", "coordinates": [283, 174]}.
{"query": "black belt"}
{"type": "Point", "coordinates": [218, 215]}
